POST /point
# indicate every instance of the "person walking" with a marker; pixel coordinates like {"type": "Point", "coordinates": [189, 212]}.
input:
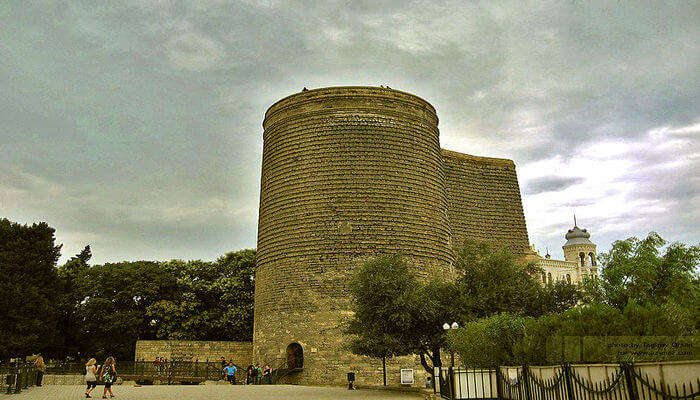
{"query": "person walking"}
{"type": "Point", "coordinates": [90, 378]}
{"type": "Point", "coordinates": [230, 370]}
{"type": "Point", "coordinates": [108, 375]}
{"type": "Point", "coordinates": [40, 366]}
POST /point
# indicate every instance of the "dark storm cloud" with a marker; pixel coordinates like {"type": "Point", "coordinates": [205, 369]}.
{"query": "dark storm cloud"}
{"type": "Point", "coordinates": [136, 125]}
{"type": "Point", "coordinates": [550, 184]}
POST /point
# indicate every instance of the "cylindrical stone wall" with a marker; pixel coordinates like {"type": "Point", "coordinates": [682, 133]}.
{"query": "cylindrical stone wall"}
{"type": "Point", "coordinates": [347, 173]}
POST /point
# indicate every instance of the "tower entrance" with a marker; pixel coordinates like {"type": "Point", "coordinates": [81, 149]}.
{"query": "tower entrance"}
{"type": "Point", "coordinates": [295, 356]}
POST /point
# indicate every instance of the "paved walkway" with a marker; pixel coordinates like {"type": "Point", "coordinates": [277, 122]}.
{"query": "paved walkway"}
{"type": "Point", "coordinates": [210, 392]}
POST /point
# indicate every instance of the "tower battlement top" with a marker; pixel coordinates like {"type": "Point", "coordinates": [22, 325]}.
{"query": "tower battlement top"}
{"type": "Point", "coordinates": [357, 94]}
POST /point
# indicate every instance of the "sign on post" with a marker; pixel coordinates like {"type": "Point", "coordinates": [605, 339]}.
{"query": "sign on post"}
{"type": "Point", "coordinates": [407, 376]}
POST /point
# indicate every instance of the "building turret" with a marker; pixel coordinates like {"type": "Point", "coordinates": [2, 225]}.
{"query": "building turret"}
{"type": "Point", "coordinates": [579, 249]}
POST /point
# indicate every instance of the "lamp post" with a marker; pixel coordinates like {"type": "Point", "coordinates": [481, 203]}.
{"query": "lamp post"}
{"type": "Point", "coordinates": [447, 327]}
{"type": "Point", "coordinates": [450, 380]}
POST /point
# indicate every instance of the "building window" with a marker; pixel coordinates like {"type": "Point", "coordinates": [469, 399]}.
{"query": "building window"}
{"type": "Point", "coordinates": [568, 278]}
{"type": "Point", "coordinates": [591, 256]}
{"type": "Point", "coordinates": [582, 256]}
{"type": "Point", "coordinates": [544, 278]}
{"type": "Point", "coordinates": [549, 277]}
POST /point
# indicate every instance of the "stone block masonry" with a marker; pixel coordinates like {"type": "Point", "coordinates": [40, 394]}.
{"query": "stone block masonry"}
{"type": "Point", "coordinates": [191, 350]}
{"type": "Point", "coordinates": [483, 200]}
{"type": "Point", "coordinates": [350, 173]}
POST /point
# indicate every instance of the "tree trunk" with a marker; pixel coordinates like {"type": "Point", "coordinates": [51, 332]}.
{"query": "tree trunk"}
{"type": "Point", "coordinates": [434, 359]}
{"type": "Point", "coordinates": [437, 361]}
{"type": "Point", "coordinates": [425, 365]}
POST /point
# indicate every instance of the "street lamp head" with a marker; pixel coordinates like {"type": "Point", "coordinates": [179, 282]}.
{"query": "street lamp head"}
{"type": "Point", "coordinates": [446, 326]}
{"type": "Point", "coordinates": [455, 325]}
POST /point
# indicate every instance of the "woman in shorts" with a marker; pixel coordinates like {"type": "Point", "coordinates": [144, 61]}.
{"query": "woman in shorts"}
{"type": "Point", "coordinates": [90, 378]}
{"type": "Point", "coordinates": [108, 375]}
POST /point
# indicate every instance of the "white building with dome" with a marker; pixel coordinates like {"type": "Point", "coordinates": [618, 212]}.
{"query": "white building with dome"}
{"type": "Point", "coordinates": [579, 259]}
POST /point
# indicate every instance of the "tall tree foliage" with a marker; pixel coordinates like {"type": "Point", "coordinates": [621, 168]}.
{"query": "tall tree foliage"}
{"type": "Point", "coordinates": [384, 290]}
{"type": "Point", "coordinates": [214, 301]}
{"type": "Point", "coordinates": [29, 285]}
{"type": "Point", "coordinates": [646, 288]}
{"type": "Point", "coordinates": [644, 272]}
{"type": "Point", "coordinates": [84, 310]}
{"type": "Point", "coordinates": [71, 275]}
{"type": "Point", "coordinates": [493, 280]}
{"type": "Point", "coordinates": [396, 314]}
{"type": "Point", "coordinates": [557, 297]}
{"type": "Point", "coordinates": [115, 297]}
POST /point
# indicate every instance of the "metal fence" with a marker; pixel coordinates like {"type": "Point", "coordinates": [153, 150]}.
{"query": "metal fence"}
{"type": "Point", "coordinates": [161, 372]}
{"type": "Point", "coordinates": [166, 372]}
{"type": "Point", "coordinates": [169, 372]}
{"type": "Point", "coordinates": [17, 377]}
{"type": "Point", "coordinates": [624, 383]}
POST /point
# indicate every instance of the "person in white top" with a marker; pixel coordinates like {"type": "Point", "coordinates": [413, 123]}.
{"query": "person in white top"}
{"type": "Point", "coordinates": [90, 378]}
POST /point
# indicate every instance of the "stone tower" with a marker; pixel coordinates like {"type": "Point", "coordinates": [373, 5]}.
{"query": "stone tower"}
{"type": "Point", "coordinates": [347, 173]}
{"type": "Point", "coordinates": [579, 249]}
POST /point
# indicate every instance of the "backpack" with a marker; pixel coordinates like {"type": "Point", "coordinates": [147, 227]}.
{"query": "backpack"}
{"type": "Point", "coordinates": [108, 375]}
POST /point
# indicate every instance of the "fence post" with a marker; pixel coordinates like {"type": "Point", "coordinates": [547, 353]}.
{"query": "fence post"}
{"type": "Point", "coordinates": [10, 380]}
{"type": "Point", "coordinates": [567, 380]}
{"type": "Point", "coordinates": [499, 394]}
{"type": "Point", "coordinates": [520, 383]}
{"type": "Point", "coordinates": [18, 383]}
{"type": "Point", "coordinates": [451, 382]}
{"type": "Point", "coordinates": [526, 382]}
{"type": "Point", "coordinates": [629, 381]}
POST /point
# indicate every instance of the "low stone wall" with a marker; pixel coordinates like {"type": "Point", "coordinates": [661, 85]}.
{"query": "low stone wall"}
{"type": "Point", "coordinates": [240, 353]}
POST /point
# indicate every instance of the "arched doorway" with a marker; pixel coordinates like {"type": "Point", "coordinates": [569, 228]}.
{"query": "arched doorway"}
{"type": "Point", "coordinates": [295, 356]}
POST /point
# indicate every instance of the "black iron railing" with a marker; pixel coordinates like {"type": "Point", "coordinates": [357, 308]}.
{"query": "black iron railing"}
{"type": "Point", "coordinates": [169, 372]}
{"type": "Point", "coordinates": [283, 370]}
{"type": "Point", "coordinates": [626, 383]}
{"type": "Point", "coordinates": [17, 377]}
{"type": "Point", "coordinates": [172, 371]}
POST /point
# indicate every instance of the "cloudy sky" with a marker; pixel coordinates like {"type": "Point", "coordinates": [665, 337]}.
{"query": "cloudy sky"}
{"type": "Point", "coordinates": [135, 126]}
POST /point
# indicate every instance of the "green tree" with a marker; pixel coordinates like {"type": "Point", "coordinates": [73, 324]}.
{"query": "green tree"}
{"type": "Point", "coordinates": [643, 272]}
{"type": "Point", "coordinates": [71, 276]}
{"type": "Point", "coordinates": [384, 290]}
{"type": "Point", "coordinates": [493, 280]}
{"type": "Point", "coordinates": [557, 297]}
{"type": "Point", "coordinates": [29, 282]}
{"type": "Point", "coordinates": [112, 312]}
{"type": "Point", "coordinates": [214, 301]}
{"type": "Point", "coordinates": [395, 314]}
{"type": "Point", "coordinates": [491, 341]}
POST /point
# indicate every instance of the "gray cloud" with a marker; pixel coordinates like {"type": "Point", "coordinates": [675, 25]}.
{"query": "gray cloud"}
{"type": "Point", "coordinates": [550, 184]}
{"type": "Point", "coordinates": [136, 125]}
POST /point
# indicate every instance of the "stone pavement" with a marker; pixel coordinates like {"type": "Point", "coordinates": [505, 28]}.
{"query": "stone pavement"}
{"type": "Point", "coordinates": [209, 392]}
